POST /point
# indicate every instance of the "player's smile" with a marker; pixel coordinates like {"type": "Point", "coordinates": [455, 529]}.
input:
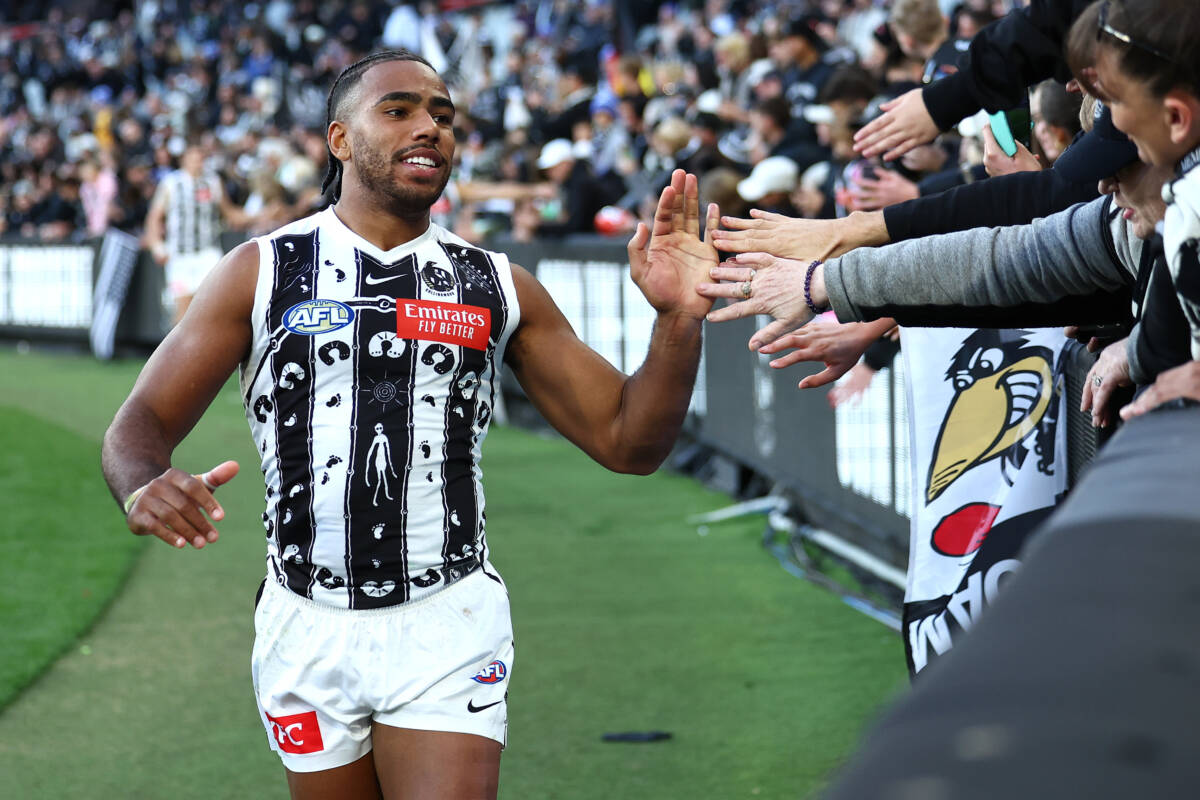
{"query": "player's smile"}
{"type": "Point", "coordinates": [421, 162]}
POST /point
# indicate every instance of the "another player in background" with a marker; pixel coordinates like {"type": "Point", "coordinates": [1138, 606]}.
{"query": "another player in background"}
{"type": "Point", "coordinates": [183, 228]}
{"type": "Point", "coordinates": [370, 343]}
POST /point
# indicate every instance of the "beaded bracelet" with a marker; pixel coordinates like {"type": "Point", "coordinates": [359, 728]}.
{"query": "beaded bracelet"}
{"type": "Point", "coordinates": [808, 288]}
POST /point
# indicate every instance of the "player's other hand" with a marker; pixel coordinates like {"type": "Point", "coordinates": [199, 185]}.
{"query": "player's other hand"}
{"type": "Point", "coordinates": [904, 125]}
{"type": "Point", "coordinates": [173, 506]}
{"type": "Point", "coordinates": [670, 259]}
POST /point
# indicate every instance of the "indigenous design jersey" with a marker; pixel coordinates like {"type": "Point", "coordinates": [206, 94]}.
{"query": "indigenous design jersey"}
{"type": "Point", "coordinates": [369, 390]}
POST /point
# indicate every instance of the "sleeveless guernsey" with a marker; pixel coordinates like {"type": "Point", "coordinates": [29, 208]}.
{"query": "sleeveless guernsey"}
{"type": "Point", "coordinates": [369, 389]}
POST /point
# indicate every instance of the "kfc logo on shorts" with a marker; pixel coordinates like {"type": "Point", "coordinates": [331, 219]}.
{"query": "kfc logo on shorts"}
{"type": "Point", "coordinates": [492, 673]}
{"type": "Point", "coordinates": [297, 733]}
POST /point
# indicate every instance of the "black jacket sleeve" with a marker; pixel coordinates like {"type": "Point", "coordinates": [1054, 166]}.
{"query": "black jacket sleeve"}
{"type": "Point", "coordinates": [1014, 199]}
{"type": "Point", "coordinates": [1097, 308]}
{"type": "Point", "coordinates": [1014, 52]}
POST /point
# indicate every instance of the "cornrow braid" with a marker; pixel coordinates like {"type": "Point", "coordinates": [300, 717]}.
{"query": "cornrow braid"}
{"type": "Point", "coordinates": [345, 81]}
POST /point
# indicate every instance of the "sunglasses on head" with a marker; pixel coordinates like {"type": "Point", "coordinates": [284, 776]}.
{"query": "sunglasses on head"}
{"type": "Point", "coordinates": [1120, 36]}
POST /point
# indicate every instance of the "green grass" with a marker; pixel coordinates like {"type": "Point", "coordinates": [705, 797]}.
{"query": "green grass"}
{"type": "Point", "coordinates": [60, 570]}
{"type": "Point", "coordinates": [625, 618]}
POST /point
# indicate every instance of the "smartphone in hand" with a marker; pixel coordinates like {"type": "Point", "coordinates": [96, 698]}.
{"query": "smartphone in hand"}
{"type": "Point", "coordinates": [1010, 127]}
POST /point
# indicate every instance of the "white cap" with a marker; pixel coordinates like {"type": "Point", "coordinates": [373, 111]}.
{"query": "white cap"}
{"type": "Point", "coordinates": [709, 102]}
{"type": "Point", "coordinates": [771, 175]}
{"type": "Point", "coordinates": [973, 125]}
{"type": "Point", "coordinates": [819, 114]}
{"type": "Point", "coordinates": [815, 176]}
{"type": "Point", "coordinates": [554, 152]}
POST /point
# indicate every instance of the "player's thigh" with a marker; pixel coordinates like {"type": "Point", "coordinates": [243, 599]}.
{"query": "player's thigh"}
{"type": "Point", "coordinates": [435, 765]}
{"type": "Point", "coordinates": [354, 781]}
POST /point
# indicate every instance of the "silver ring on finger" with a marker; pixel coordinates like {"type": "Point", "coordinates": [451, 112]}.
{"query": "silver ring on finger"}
{"type": "Point", "coordinates": [1097, 380]}
{"type": "Point", "coordinates": [746, 289]}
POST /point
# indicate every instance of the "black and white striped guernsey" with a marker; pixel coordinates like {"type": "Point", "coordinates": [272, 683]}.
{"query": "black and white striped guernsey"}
{"type": "Point", "coordinates": [369, 390]}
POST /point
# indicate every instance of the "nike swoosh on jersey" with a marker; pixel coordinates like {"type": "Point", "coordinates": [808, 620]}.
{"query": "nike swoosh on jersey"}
{"type": "Point", "coordinates": [372, 280]}
{"type": "Point", "coordinates": [474, 709]}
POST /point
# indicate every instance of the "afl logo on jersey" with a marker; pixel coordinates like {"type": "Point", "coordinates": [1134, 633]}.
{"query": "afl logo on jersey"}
{"type": "Point", "coordinates": [317, 316]}
{"type": "Point", "coordinates": [492, 673]}
{"type": "Point", "coordinates": [437, 279]}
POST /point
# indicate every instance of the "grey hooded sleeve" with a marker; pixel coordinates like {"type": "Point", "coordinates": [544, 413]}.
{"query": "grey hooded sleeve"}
{"type": "Point", "coordinates": [1067, 268]}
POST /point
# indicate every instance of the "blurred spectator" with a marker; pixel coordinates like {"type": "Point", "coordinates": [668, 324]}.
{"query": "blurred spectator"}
{"type": "Point", "coordinates": [581, 195]}
{"type": "Point", "coordinates": [720, 186]}
{"type": "Point", "coordinates": [97, 192]}
{"type": "Point", "coordinates": [922, 31]}
{"type": "Point", "coordinates": [770, 185]}
{"type": "Point", "coordinates": [797, 55]}
{"type": "Point", "coordinates": [1055, 113]}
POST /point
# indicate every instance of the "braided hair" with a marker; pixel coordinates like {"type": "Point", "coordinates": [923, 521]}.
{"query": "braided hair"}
{"type": "Point", "coordinates": [347, 80]}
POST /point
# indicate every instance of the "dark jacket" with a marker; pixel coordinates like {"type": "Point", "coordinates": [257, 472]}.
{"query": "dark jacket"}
{"type": "Point", "coordinates": [1014, 52]}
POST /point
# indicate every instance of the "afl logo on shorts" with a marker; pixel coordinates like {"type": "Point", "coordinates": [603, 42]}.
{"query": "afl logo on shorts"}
{"type": "Point", "coordinates": [317, 316]}
{"type": "Point", "coordinates": [492, 673]}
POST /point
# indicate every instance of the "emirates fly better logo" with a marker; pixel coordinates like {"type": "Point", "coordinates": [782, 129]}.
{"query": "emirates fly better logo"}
{"type": "Point", "coordinates": [449, 323]}
{"type": "Point", "coordinates": [297, 733]}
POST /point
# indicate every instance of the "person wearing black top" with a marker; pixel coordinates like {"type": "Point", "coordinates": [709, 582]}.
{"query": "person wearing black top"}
{"type": "Point", "coordinates": [1016, 51]}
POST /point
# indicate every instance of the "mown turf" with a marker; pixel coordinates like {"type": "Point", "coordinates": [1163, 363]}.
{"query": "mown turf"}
{"type": "Point", "coordinates": [59, 569]}
{"type": "Point", "coordinates": [625, 617]}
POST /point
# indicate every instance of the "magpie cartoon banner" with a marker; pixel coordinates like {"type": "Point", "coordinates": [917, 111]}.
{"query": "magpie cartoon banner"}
{"type": "Point", "coordinates": [989, 464]}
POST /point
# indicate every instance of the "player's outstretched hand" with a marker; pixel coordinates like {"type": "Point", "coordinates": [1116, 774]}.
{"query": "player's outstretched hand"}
{"type": "Point", "coordinates": [838, 346]}
{"type": "Point", "coordinates": [173, 505]}
{"type": "Point", "coordinates": [760, 283]}
{"type": "Point", "coordinates": [904, 125]}
{"type": "Point", "coordinates": [669, 261]}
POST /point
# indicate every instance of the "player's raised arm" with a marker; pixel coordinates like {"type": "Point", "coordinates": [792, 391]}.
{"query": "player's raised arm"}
{"type": "Point", "coordinates": [171, 394]}
{"type": "Point", "coordinates": [627, 423]}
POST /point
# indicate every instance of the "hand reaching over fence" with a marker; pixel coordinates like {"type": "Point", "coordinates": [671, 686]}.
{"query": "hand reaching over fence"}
{"type": "Point", "coordinates": [791, 291]}
{"type": "Point", "coordinates": [839, 346]}
{"type": "Point", "coordinates": [904, 125]}
{"type": "Point", "coordinates": [1110, 371]}
{"type": "Point", "coordinates": [802, 239]}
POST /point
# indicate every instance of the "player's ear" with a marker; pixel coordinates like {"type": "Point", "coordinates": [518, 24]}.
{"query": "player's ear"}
{"type": "Point", "coordinates": [1182, 110]}
{"type": "Point", "coordinates": [339, 141]}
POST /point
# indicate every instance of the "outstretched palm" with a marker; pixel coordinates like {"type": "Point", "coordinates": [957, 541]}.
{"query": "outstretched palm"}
{"type": "Point", "coordinates": [670, 261]}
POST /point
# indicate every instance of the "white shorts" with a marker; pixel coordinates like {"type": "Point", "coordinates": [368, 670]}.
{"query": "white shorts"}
{"type": "Point", "coordinates": [322, 675]}
{"type": "Point", "coordinates": [185, 272]}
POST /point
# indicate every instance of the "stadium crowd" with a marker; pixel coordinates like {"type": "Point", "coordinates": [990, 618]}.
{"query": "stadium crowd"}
{"type": "Point", "coordinates": [98, 101]}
